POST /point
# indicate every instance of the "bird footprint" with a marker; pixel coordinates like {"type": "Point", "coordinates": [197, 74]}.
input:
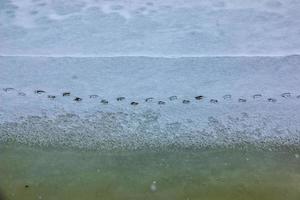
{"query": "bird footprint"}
{"type": "Point", "coordinates": [272, 100]}
{"type": "Point", "coordinates": [161, 102]}
{"type": "Point", "coordinates": [93, 96]}
{"type": "Point", "coordinates": [286, 95]}
{"type": "Point", "coordinates": [104, 101]}
{"type": "Point", "coordinates": [65, 94]}
{"type": "Point", "coordinates": [39, 91]}
{"type": "Point", "coordinates": [77, 99]}
{"type": "Point", "coordinates": [134, 103]}
{"type": "Point", "coordinates": [172, 98]}
{"type": "Point", "coordinates": [150, 99]}
{"type": "Point", "coordinates": [213, 101]}
{"type": "Point", "coordinates": [120, 98]}
{"type": "Point", "coordinates": [51, 97]}
{"type": "Point", "coordinates": [8, 89]}
{"type": "Point", "coordinates": [227, 97]}
{"type": "Point", "coordinates": [256, 96]}
{"type": "Point", "coordinates": [186, 101]}
{"type": "Point", "coordinates": [242, 100]}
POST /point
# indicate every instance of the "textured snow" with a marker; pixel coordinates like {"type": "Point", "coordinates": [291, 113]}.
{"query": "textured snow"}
{"type": "Point", "coordinates": [37, 119]}
{"type": "Point", "coordinates": [152, 28]}
{"type": "Point", "coordinates": [171, 51]}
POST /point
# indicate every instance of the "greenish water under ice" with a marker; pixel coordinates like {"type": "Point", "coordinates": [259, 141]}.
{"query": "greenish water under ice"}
{"type": "Point", "coordinates": [28, 173]}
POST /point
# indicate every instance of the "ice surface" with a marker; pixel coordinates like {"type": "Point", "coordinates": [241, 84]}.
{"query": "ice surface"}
{"type": "Point", "coordinates": [155, 28]}
{"type": "Point", "coordinates": [66, 66]}
{"type": "Point", "coordinates": [34, 118]}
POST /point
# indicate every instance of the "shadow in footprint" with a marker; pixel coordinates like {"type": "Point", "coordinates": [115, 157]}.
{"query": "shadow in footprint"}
{"type": "Point", "coordinates": [186, 101]}
{"type": "Point", "coordinates": [39, 91]}
{"type": "Point", "coordinates": [172, 98]}
{"type": "Point", "coordinates": [286, 95]}
{"type": "Point", "coordinates": [103, 101]}
{"type": "Point", "coordinates": [52, 97]}
{"type": "Point", "coordinates": [134, 103]}
{"type": "Point", "coordinates": [242, 100]}
{"type": "Point", "coordinates": [199, 97]}
{"type": "Point", "coordinates": [66, 94]}
{"type": "Point", "coordinates": [8, 89]}
{"type": "Point", "coordinates": [213, 101]}
{"type": "Point", "coordinates": [120, 98]}
{"type": "Point", "coordinates": [150, 99]}
{"type": "Point", "coordinates": [77, 99]}
{"type": "Point", "coordinates": [257, 96]}
{"type": "Point", "coordinates": [227, 97]}
{"type": "Point", "coordinates": [93, 96]}
{"type": "Point", "coordinates": [161, 103]}
{"type": "Point", "coordinates": [21, 94]}
{"type": "Point", "coordinates": [272, 100]}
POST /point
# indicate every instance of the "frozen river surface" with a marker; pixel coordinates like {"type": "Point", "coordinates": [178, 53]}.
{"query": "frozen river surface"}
{"type": "Point", "coordinates": [132, 99]}
{"type": "Point", "coordinates": [153, 28]}
{"type": "Point", "coordinates": [150, 102]}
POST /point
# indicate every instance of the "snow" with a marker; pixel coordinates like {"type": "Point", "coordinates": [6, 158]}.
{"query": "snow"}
{"type": "Point", "coordinates": [150, 49]}
{"type": "Point", "coordinates": [36, 119]}
{"type": "Point", "coordinates": [150, 28]}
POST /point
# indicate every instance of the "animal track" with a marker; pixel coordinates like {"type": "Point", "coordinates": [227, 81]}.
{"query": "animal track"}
{"type": "Point", "coordinates": [227, 97]}
{"type": "Point", "coordinates": [51, 97]}
{"type": "Point", "coordinates": [199, 97]}
{"type": "Point", "coordinates": [172, 98]}
{"type": "Point", "coordinates": [213, 101]}
{"type": "Point", "coordinates": [77, 99]}
{"type": "Point", "coordinates": [286, 95]}
{"type": "Point", "coordinates": [120, 98]}
{"type": "Point", "coordinates": [186, 101]}
{"type": "Point", "coordinates": [150, 99]}
{"type": "Point", "coordinates": [8, 89]}
{"type": "Point", "coordinates": [134, 103]}
{"type": "Point", "coordinates": [21, 94]}
{"type": "Point", "coordinates": [256, 96]}
{"type": "Point", "coordinates": [104, 101]}
{"type": "Point", "coordinates": [272, 100]}
{"type": "Point", "coordinates": [93, 96]}
{"type": "Point", "coordinates": [66, 94]}
{"type": "Point", "coordinates": [39, 91]}
{"type": "Point", "coordinates": [161, 103]}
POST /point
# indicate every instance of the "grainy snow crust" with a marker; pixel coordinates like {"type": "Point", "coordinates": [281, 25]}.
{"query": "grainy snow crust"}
{"type": "Point", "coordinates": [256, 101]}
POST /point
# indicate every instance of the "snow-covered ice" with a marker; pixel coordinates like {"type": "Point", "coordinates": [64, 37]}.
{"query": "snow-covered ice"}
{"type": "Point", "coordinates": [133, 74]}
{"type": "Point", "coordinates": [242, 113]}
{"type": "Point", "coordinates": [153, 28]}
